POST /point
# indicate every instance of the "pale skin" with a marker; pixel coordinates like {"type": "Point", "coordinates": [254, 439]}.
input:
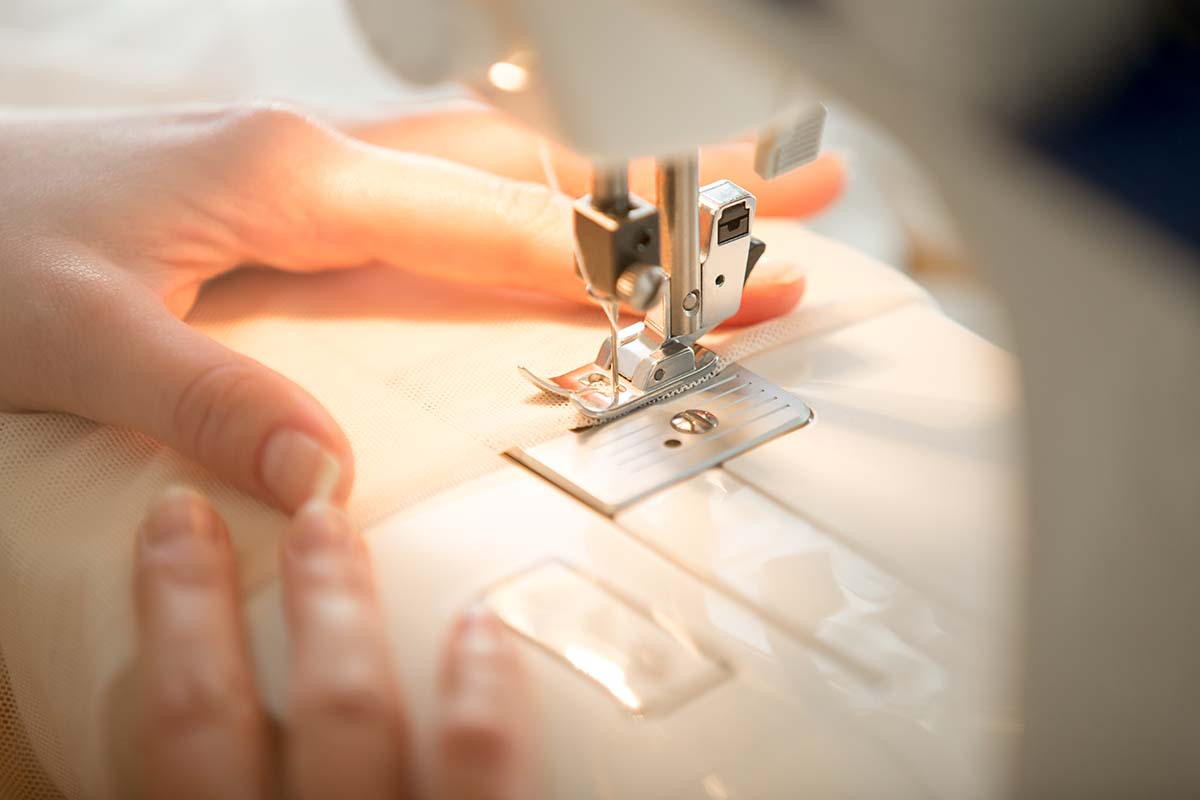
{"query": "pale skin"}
{"type": "Point", "coordinates": [204, 733]}
{"type": "Point", "coordinates": [111, 225]}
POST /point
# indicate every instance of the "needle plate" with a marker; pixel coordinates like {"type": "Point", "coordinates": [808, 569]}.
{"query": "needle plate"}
{"type": "Point", "coordinates": [615, 464]}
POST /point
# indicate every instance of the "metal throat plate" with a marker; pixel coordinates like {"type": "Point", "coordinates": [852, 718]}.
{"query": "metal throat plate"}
{"type": "Point", "coordinates": [613, 465]}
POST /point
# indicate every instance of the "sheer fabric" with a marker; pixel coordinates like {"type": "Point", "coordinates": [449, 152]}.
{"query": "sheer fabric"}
{"type": "Point", "coordinates": [421, 375]}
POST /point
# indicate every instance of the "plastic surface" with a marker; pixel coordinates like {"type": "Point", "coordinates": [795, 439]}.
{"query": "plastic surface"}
{"type": "Point", "coordinates": [647, 665]}
{"type": "Point", "coordinates": [856, 577]}
{"type": "Point", "coordinates": [899, 392]}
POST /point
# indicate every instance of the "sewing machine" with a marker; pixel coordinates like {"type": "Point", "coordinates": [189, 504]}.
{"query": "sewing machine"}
{"type": "Point", "coordinates": [799, 575]}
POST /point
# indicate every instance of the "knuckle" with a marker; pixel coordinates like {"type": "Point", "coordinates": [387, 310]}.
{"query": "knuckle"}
{"type": "Point", "coordinates": [266, 122]}
{"type": "Point", "coordinates": [350, 697]}
{"type": "Point", "coordinates": [209, 404]}
{"type": "Point", "coordinates": [475, 738]}
{"type": "Point", "coordinates": [196, 698]}
{"type": "Point", "coordinates": [269, 153]}
{"type": "Point", "coordinates": [534, 215]}
{"type": "Point", "coordinates": [269, 143]}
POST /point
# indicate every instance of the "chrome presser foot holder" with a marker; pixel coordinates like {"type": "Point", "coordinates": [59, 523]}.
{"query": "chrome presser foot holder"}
{"type": "Point", "coordinates": [685, 263]}
{"type": "Point", "coordinates": [704, 237]}
{"type": "Point", "coordinates": [643, 376]}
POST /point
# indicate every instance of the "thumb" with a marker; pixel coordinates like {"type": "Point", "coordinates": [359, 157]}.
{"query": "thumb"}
{"type": "Point", "coordinates": [132, 363]}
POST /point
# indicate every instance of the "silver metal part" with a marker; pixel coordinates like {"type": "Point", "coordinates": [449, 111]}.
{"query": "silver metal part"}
{"type": "Point", "coordinates": [613, 465]}
{"type": "Point", "coordinates": [694, 420]}
{"type": "Point", "coordinates": [678, 181]}
{"type": "Point", "coordinates": [610, 241]}
{"type": "Point", "coordinates": [790, 142]}
{"type": "Point", "coordinates": [659, 372]}
{"type": "Point", "coordinates": [640, 285]}
{"type": "Point", "coordinates": [655, 358]}
{"type": "Point", "coordinates": [612, 310]}
{"type": "Point", "coordinates": [726, 219]}
{"type": "Point", "coordinates": [610, 187]}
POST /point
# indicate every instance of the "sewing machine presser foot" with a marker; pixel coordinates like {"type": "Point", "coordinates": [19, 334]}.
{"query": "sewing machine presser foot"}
{"type": "Point", "coordinates": [647, 372]}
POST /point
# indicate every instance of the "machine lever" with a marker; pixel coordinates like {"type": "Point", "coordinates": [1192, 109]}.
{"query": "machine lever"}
{"type": "Point", "coordinates": [757, 248]}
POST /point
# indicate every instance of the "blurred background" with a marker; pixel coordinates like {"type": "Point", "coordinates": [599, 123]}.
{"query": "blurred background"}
{"type": "Point", "coordinates": [76, 53]}
{"type": "Point", "coordinates": [1133, 134]}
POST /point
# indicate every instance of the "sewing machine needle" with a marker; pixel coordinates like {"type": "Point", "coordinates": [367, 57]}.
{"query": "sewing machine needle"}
{"type": "Point", "coordinates": [612, 310]}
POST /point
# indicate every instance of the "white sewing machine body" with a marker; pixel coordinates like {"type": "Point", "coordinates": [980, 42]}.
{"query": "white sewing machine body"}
{"type": "Point", "coordinates": [828, 614]}
{"type": "Point", "coordinates": [834, 612]}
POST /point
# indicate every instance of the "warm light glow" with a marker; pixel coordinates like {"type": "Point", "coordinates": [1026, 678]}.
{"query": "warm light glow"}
{"type": "Point", "coordinates": [508, 77]}
{"type": "Point", "coordinates": [714, 787]}
{"type": "Point", "coordinates": [604, 672]}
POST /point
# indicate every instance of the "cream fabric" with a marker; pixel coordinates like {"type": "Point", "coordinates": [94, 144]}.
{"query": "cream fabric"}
{"type": "Point", "coordinates": [421, 375]}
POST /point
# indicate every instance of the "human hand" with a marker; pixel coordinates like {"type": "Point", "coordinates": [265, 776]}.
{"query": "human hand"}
{"type": "Point", "coordinates": [204, 733]}
{"type": "Point", "coordinates": [516, 152]}
{"type": "Point", "coordinates": [111, 224]}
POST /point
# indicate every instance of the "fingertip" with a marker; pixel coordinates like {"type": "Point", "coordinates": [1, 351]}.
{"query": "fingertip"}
{"type": "Point", "coordinates": [835, 173]}
{"type": "Point", "coordinates": [773, 273]}
{"type": "Point", "coordinates": [833, 169]}
{"type": "Point", "coordinates": [806, 191]}
{"type": "Point", "coordinates": [480, 652]}
{"type": "Point", "coordinates": [182, 544]}
{"type": "Point", "coordinates": [479, 613]}
{"type": "Point", "coordinates": [296, 467]}
{"type": "Point", "coordinates": [319, 525]}
{"type": "Point", "coordinates": [345, 479]}
{"type": "Point", "coordinates": [485, 739]}
{"type": "Point", "coordinates": [178, 514]}
{"type": "Point", "coordinates": [326, 568]}
{"type": "Point", "coordinates": [775, 288]}
{"type": "Point", "coordinates": [477, 631]}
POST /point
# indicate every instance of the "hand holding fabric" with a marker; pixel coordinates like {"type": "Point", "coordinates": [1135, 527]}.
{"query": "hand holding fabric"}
{"type": "Point", "coordinates": [204, 734]}
{"type": "Point", "coordinates": [112, 223]}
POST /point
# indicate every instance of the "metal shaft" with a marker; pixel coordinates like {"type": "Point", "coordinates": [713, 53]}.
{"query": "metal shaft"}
{"type": "Point", "coordinates": [612, 310]}
{"type": "Point", "coordinates": [610, 187]}
{"type": "Point", "coordinates": [679, 241]}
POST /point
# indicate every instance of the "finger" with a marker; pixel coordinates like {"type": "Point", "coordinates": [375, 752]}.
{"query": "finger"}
{"type": "Point", "coordinates": [484, 737]}
{"type": "Point", "coordinates": [774, 289]}
{"type": "Point", "coordinates": [347, 735]}
{"type": "Point", "coordinates": [432, 217]}
{"type": "Point", "coordinates": [448, 221]}
{"type": "Point", "coordinates": [128, 361]}
{"type": "Point", "coordinates": [203, 734]}
{"type": "Point", "coordinates": [473, 227]}
{"type": "Point", "coordinates": [512, 150]}
{"type": "Point", "coordinates": [424, 214]}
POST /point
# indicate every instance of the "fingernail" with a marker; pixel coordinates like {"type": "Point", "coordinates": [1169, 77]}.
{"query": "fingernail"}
{"type": "Point", "coordinates": [478, 614]}
{"type": "Point", "coordinates": [296, 468]}
{"type": "Point", "coordinates": [481, 672]}
{"type": "Point", "coordinates": [480, 631]}
{"type": "Point", "coordinates": [319, 525]}
{"type": "Point", "coordinates": [179, 514]}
